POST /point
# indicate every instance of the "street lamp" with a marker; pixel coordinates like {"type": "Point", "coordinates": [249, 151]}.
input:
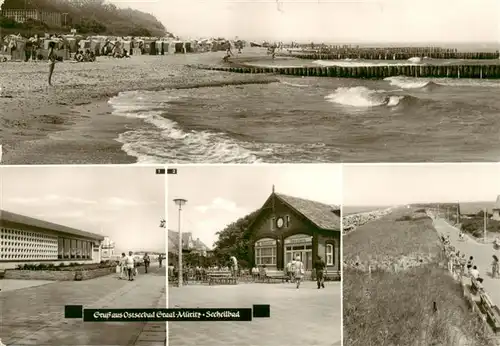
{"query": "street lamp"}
{"type": "Point", "coordinates": [180, 202]}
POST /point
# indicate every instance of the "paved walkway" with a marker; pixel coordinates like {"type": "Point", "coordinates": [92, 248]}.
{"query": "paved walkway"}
{"type": "Point", "coordinates": [307, 316]}
{"type": "Point", "coordinates": [482, 254]}
{"type": "Point", "coordinates": [12, 285]}
{"type": "Point", "coordinates": [35, 315]}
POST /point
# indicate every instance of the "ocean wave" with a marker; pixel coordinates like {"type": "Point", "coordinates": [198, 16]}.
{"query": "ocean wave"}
{"type": "Point", "coordinates": [418, 83]}
{"type": "Point", "coordinates": [363, 97]}
{"type": "Point", "coordinates": [164, 140]}
{"type": "Point", "coordinates": [294, 84]}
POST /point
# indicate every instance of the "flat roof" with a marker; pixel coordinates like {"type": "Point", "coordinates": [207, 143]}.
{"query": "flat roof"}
{"type": "Point", "coordinates": [25, 220]}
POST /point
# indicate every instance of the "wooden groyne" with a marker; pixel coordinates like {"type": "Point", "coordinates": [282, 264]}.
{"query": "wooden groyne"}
{"type": "Point", "coordinates": [373, 72]}
{"type": "Point", "coordinates": [341, 53]}
{"type": "Point", "coordinates": [394, 56]}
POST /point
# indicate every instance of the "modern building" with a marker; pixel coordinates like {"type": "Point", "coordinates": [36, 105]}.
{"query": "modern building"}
{"type": "Point", "coordinates": [286, 227]}
{"type": "Point", "coordinates": [496, 210]}
{"type": "Point", "coordinates": [108, 249]}
{"type": "Point", "coordinates": [28, 240]}
{"type": "Point", "coordinates": [19, 15]}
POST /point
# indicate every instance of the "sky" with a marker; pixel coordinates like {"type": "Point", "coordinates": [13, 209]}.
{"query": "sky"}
{"type": "Point", "coordinates": [220, 195]}
{"type": "Point", "coordinates": [368, 185]}
{"type": "Point", "coordinates": [124, 203]}
{"type": "Point", "coordinates": [329, 20]}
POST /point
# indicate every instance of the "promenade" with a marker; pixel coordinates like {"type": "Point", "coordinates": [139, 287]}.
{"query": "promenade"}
{"type": "Point", "coordinates": [482, 254]}
{"type": "Point", "coordinates": [35, 315]}
{"type": "Point", "coordinates": [307, 316]}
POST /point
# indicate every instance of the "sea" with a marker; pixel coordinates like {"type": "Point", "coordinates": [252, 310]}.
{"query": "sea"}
{"type": "Point", "coordinates": [317, 120]}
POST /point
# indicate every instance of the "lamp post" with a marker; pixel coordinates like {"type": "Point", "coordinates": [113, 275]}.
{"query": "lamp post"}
{"type": "Point", "coordinates": [180, 202]}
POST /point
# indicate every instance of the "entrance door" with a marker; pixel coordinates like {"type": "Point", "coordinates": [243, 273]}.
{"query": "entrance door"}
{"type": "Point", "coordinates": [305, 257]}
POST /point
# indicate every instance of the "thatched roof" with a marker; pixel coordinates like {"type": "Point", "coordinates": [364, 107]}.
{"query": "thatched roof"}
{"type": "Point", "coordinates": [6, 216]}
{"type": "Point", "coordinates": [324, 216]}
{"type": "Point", "coordinates": [173, 241]}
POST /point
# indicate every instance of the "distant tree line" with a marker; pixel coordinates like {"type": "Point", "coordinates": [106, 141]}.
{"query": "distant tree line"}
{"type": "Point", "coordinates": [87, 17]}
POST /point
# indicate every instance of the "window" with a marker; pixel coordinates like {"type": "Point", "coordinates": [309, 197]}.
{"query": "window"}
{"type": "Point", "coordinates": [265, 255]}
{"type": "Point", "coordinates": [73, 248]}
{"type": "Point", "coordinates": [273, 223]}
{"type": "Point", "coordinates": [329, 254]}
{"type": "Point", "coordinates": [287, 221]}
{"type": "Point", "coordinates": [67, 248]}
{"type": "Point", "coordinates": [60, 248]}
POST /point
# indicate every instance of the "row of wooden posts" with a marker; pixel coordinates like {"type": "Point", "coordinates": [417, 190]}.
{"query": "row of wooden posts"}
{"type": "Point", "coordinates": [375, 72]}
{"type": "Point", "coordinates": [367, 55]}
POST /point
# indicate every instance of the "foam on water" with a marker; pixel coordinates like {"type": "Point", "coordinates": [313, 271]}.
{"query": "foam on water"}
{"type": "Point", "coordinates": [363, 97]}
{"type": "Point", "coordinates": [165, 140]}
{"type": "Point", "coordinates": [417, 83]}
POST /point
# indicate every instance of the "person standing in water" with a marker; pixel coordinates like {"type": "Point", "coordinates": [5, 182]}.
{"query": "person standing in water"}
{"type": "Point", "coordinates": [299, 271]}
{"type": "Point", "coordinates": [52, 60]}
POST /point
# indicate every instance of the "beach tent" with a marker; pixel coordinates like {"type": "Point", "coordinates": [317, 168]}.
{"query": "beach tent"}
{"type": "Point", "coordinates": [84, 44]}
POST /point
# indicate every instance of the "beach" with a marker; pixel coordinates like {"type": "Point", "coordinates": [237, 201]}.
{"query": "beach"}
{"type": "Point", "coordinates": [71, 122]}
{"type": "Point", "coordinates": [162, 109]}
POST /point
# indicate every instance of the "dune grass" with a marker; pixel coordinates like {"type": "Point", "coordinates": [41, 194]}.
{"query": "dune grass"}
{"type": "Point", "coordinates": [392, 237]}
{"type": "Point", "coordinates": [387, 308]}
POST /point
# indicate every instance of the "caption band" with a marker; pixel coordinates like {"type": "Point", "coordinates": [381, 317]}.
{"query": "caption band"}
{"type": "Point", "coordinates": [166, 315]}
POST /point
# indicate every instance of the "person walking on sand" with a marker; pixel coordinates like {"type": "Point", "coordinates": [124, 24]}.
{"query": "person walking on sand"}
{"type": "Point", "coordinates": [52, 60]}
{"type": "Point", "coordinates": [147, 261]}
{"type": "Point", "coordinates": [129, 261]}
{"type": "Point", "coordinates": [320, 266]}
{"type": "Point", "coordinates": [299, 271]}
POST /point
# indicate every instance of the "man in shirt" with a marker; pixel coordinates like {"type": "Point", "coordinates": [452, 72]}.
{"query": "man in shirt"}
{"type": "Point", "coordinates": [147, 261]}
{"type": "Point", "coordinates": [320, 266]}
{"type": "Point", "coordinates": [130, 261]}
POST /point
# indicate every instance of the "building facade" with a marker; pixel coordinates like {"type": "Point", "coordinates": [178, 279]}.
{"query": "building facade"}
{"type": "Point", "coordinates": [21, 16]}
{"type": "Point", "coordinates": [27, 240]}
{"type": "Point", "coordinates": [288, 227]}
{"type": "Point", "coordinates": [496, 210]}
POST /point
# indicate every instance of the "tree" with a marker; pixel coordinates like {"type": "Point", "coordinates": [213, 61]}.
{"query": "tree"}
{"type": "Point", "coordinates": [234, 240]}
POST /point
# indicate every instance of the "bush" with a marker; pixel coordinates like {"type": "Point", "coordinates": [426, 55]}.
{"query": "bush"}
{"type": "Point", "coordinates": [62, 267]}
{"type": "Point", "coordinates": [405, 218]}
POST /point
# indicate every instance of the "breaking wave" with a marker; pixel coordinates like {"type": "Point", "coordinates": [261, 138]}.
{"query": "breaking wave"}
{"type": "Point", "coordinates": [418, 83]}
{"type": "Point", "coordinates": [164, 140]}
{"type": "Point", "coordinates": [363, 97]}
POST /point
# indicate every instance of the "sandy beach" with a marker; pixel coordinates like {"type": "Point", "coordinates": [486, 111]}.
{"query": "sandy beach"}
{"type": "Point", "coordinates": [71, 122]}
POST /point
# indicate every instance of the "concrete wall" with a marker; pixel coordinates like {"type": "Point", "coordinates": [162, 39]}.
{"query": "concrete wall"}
{"type": "Point", "coordinates": [54, 275]}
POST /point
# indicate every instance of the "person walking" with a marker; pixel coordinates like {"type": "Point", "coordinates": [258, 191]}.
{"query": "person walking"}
{"type": "Point", "coordinates": [289, 272]}
{"type": "Point", "coordinates": [299, 271]}
{"type": "Point", "coordinates": [495, 269]}
{"type": "Point", "coordinates": [320, 266]}
{"type": "Point", "coordinates": [52, 60]}
{"type": "Point", "coordinates": [130, 263]}
{"type": "Point", "coordinates": [147, 261]}
{"type": "Point", "coordinates": [123, 266]}
{"type": "Point", "coordinates": [160, 259]}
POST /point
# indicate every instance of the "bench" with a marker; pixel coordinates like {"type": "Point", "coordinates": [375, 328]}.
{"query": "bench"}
{"type": "Point", "coordinates": [2, 274]}
{"type": "Point", "coordinates": [273, 276]}
{"type": "Point", "coordinates": [492, 312]}
{"type": "Point", "coordinates": [332, 275]}
{"type": "Point", "coordinates": [221, 278]}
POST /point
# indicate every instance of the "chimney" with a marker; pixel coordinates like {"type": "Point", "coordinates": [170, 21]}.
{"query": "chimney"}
{"type": "Point", "coordinates": [273, 188]}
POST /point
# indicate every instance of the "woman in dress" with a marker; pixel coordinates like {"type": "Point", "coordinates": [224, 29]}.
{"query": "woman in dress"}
{"type": "Point", "coordinates": [299, 271]}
